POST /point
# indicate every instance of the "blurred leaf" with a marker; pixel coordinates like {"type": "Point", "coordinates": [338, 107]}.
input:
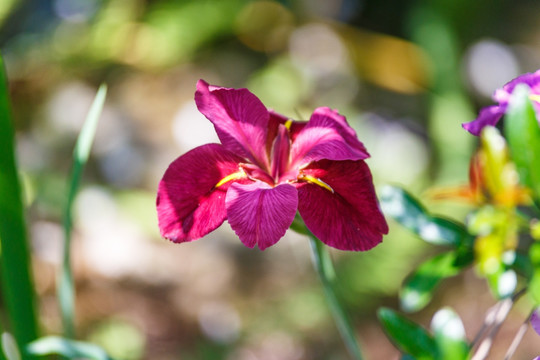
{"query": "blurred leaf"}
{"type": "Point", "coordinates": [407, 211]}
{"type": "Point", "coordinates": [523, 133]}
{"type": "Point", "coordinates": [502, 283]}
{"type": "Point", "coordinates": [534, 287]}
{"type": "Point", "coordinates": [408, 336]}
{"type": "Point", "coordinates": [450, 335]}
{"type": "Point", "coordinates": [9, 347]}
{"type": "Point", "coordinates": [119, 338]}
{"type": "Point", "coordinates": [522, 265]}
{"type": "Point", "coordinates": [535, 229]}
{"type": "Point", "coordinates": [17, 283]}
{"type": "Point", "coordinates": [69, 348]}
{"type": "Point", "coordinates": [80, 156]}
{"type": "Point", "coordinates": [6, 8]}
{"type": "Point", "coordinates": [419, 287]}
{"type": "Point", "coordinates": [534, 255]}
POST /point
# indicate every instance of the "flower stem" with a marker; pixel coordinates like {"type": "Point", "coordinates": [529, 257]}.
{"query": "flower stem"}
{"type": "Point", "coordinates": [325, 269]}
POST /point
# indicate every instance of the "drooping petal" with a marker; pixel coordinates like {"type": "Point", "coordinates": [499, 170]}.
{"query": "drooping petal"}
{"type": "Point", "coordinates": [344, 212]}
{"type": "Point", "coordinates": [488, 116]}
{"type": "Point", "coordinates": [535, 320]}
{"type": "Point", "coordinates": [502, 96]}
{"type": "Point", "coordinates": [189, 204]}
{"type": "Point", "coordinates": [327, 135]}
{"type": "Point", "coordinates": [240, 119]}
{"type": "Point", "coordinates": [260, 214]}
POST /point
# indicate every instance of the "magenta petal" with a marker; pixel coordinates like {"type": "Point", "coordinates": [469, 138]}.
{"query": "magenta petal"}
{"type": "Point", "coordinates": [240, 119]}
{"type": "Point", "coordinates": [260, 214]}
{"type": "Point", "coordinates": [350, 217]}
{"type": "Point", "coordinates": [535, 320]}
{"type": "Point", "coordinates": [188, 204]}
{"type": "Point", "coordinates": [488, 116]}
{"type": "Point", "coordinates": [327, 135]}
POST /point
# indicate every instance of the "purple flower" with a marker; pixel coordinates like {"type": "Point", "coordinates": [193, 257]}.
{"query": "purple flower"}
{"type": "Point", "coordinates": [535, 320]}
{"type": "Point", "coordinates": [491, 115]}
{"type": "Point", "coordinates": [265, 169]}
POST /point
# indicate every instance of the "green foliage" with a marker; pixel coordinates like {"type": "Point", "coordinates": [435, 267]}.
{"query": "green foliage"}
{"type": "Point", "coordinates": [407, 211]}
{"type": "Point", "coordinates": [523, 134]}
{"type": "Point", "coordinates": [448, 341]}
{"type": "Point", "coordinates": [408, 336]}
{"type": "Point", "coordinates": [419, 287]}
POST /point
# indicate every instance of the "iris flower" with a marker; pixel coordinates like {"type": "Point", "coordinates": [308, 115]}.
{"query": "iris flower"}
{"type": "Point", "coordinates": [491, 115]}
{"type": "Point", "coordinates": [267, 168]}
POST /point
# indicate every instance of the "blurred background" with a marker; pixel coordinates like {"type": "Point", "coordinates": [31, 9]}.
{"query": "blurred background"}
{"type": "Point", "coordinates": [405, 73]}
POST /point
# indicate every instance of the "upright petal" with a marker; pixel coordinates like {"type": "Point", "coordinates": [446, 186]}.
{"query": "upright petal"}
{"type": "Point", "coordinates": [260, 214]}
{"type": "Point", "coordinates": [344, 213]}
{"type": "Point", "coordinates": [240, 119]}
{"type": "Point", "coordinates": [327, 135]}
{"type": "Point", "coordinates": [189, 204]}
{"type": "Point", "coordinates": [280, 152]}
{"type": "Point", "coordinates": [277, 119]}
{"type": "Point", "coordinates": [488, 116]}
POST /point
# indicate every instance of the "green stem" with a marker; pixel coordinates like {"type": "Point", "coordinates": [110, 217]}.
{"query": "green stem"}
{"type": "Point", "coordinates": [325, 269]}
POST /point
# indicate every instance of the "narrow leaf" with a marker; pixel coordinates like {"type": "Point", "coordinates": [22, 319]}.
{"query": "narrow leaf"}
{"type": "Point", "coordinates": [53, 345]}
{"type": "Point", "coordinates": [17, 282]}
{"type": "Point", "coordinates": [523, 134]}
{"type": "Point", "coordinates": [66, 295]}
{"type": "Point", "coordinates": [409, 337]}
{"type": "Point", "coordinates": [9, 347]}
{"type": "Point", "coordinates": [418, 289]}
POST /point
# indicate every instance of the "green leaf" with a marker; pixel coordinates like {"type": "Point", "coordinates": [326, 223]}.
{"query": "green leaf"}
{"type": "Point", "coordinates": [17, 283]}
{"type": "Point", "coordinates": [66, 293]}
{"type": "Point", "coordinates": [408, 211]}
{"type": "Point", "coordinates": [409, 337]}
{"type": "Point", "coordinates": [69, 348]}
{"type": "Point", "coordinates": [523, 134]}
{"type": "Point", "coordinates": [419, 287]}
{"type": "Point", "coordinates": [450, 335]}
